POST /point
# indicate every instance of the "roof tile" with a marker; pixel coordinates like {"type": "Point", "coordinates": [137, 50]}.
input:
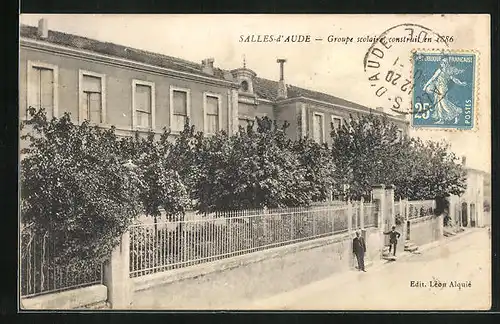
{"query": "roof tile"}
{"type": "Point", "coordinates": [264, 88]}
{"type": "Point", "coordinates": [268, 89]}
{"type": "Point", "coordinates": [121, 51]}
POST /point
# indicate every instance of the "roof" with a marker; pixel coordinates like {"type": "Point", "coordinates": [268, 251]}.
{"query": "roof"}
{"type": "Point", "coordinates": [79, 42]}
{"type": "Point", "coordinates": [268, 89]}
{"type": "Point", "coordinates": [264, 88]}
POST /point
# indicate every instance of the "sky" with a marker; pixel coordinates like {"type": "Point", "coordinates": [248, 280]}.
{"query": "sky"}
{"type": "Point", "coordinates": [331, 67]}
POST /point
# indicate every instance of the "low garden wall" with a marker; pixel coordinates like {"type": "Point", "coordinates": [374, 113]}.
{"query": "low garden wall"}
{"type": "Point", "coordinates": [332, 253]}
{"type": "Point", "coordinates": [374, 243]}
{"type": "Point", "coordinates": [68, 299]}
{"type": "Point", "coordinates": [247, 277]}
{"type": "Point", "coordinates": [426, 229]}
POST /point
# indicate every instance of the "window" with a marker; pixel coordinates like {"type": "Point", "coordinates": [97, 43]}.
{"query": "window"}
{"type": "Point", "coordinates": [92, 97]}
{"type": "Point", "coordinates": [42, 87]}
{"type": "Point", "coordinates": [318, 128]}
{"type": "Point", "coordinates": [179, 108]}
{"type": "Point", "coordinates": [143, 113]}
{"type": "Point", "coordinates": [213, 118]}
{"type": "Point", "coordinates": [244, 85]}
{"type": "Point", "coordinates": [337, 122]}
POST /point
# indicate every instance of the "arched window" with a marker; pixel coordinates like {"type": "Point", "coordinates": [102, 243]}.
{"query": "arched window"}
{"type": "Point", "coordinates": [244, 85]}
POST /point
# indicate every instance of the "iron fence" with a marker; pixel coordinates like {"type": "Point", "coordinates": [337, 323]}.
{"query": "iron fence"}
{"type": "Point", "coordinates": [356, 216]}
{"type": "Point", "coordinates": [370, 215]}
{"type": "Point", "coordinates": [398, 206]}
{"type": "Point", "coordinates": [166, 245]}
{"type": "Point", "coordinates": [39, 273]}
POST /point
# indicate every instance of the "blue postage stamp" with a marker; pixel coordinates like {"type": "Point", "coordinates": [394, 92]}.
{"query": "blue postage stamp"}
{"type": "Point", "coordinates": [443, 90]}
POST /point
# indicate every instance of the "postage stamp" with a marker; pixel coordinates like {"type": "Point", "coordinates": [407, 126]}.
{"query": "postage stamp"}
{"type": "Point", "coordinates": [444, 90]}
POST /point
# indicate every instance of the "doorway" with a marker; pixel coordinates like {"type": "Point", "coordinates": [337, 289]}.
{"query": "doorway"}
{"type": "Point", "coordinates": [464, 215]}
{"type": "Point", "coordinates": [473, 215]}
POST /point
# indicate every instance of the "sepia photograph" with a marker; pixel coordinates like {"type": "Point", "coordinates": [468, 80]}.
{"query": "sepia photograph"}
{"type": "Point", "coordinates": [254, 162]}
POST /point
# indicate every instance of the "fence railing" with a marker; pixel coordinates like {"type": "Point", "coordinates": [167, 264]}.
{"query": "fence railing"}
{"type": "Point", "coordinates": [39, 274]}
{"type": "Point", "coordinates": [356, 216]}
{"type": "Point", "coordinates": [328, 203]}
{"type": "Point", "coordinates": [370, 215]}
{"type": "Point", "coordinates": [399, 209]}
{"type": "Point", "coordinates": [420, 208]}
{"type": "Point", "coordinates": [171, 245]}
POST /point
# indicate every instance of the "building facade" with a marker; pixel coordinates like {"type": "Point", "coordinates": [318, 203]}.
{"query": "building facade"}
{"type": "Point", "coordinates": [472, 208]}
{"type": "Point", "coordinates": [474, 199]}
{"type": "Point", "coordinates": [136, 90]}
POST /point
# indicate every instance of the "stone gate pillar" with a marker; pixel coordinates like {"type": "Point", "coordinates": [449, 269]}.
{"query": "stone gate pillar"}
{"type": "Point", "coordinates": [389, 199]}
{"type": "Point", "coordinates": [116, 275]}
{"type": "Point", "coordinates": [378, 194]}
{"type": "Point", "coordinates": [390, 219]}
{"type": "Point", "coordinates": [404, 216]}
{"type": "Point", "coordinates": [452, 209]}
{"type": "Point", "coordinates": [362, 214]}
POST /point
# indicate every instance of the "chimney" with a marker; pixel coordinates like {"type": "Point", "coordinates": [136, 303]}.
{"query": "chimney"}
{"type": "Point", "coordinates": [43, 28]}
{"type": "Point", "coordinates": [282, 91]}
{"type": "Point", "coordinates": [207, 66]}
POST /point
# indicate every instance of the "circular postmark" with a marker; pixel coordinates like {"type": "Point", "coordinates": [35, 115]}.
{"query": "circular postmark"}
{"type": "Point", "coordinates": [389, 75]}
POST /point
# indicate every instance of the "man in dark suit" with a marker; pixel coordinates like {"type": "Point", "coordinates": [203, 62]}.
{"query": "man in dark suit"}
{"type": "Point", "coordinates": [393, 239]}
{"type": "Point", "coordinates": [359, 249]}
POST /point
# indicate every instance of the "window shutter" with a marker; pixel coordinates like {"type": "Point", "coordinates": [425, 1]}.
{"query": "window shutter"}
{"type": "Point", "coordinates": [47, 91]}
{"type": "Point", "coordinates": [212, 105]}
{"type": "Point", "coordinates": [41, 89]}
{"type": "Point", "coordinates": [91, 84]}
{"type": "Point", "coordinates": [95, 107]}
{"type": "Point", "coordinates": [180, 103]}
{"type": "Point", "coordinates": [34, 87]}
{"type": "Point", "coordinates": [143, 98]}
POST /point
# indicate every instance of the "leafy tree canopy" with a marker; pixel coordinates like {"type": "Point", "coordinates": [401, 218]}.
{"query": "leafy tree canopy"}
{"type": "Point", "coordinates": [367, 150]}
{"type": "Point", "coordinates": [75, 188]}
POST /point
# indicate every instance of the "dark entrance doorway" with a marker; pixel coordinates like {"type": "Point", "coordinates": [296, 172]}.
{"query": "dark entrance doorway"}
{"type": "Point", "coordinates": [473, 215]}
{"type": "Point", "coordinates": [464, 215]}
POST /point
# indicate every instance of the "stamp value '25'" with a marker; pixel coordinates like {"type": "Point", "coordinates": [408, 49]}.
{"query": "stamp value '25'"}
{"type": "Point", "coordinates": [444, 90]}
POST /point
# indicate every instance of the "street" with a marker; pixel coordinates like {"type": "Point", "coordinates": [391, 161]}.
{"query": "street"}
{"type": "Point", "coordinates": [453, 276]}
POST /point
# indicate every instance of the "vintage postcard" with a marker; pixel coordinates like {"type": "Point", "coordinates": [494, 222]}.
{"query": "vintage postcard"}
{"type": "Point", "coordinates": [254, 162]}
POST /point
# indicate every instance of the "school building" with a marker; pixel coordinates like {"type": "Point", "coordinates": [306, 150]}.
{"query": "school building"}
{"type": "Point", "coordinates": [136, 90]}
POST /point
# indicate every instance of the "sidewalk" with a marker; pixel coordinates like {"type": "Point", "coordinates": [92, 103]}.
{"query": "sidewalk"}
{"type": "Point", "coordinates": [345, 277]}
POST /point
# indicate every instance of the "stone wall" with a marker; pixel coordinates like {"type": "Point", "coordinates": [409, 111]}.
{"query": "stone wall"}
{"type": "Point", "coordinates": [248, 277]}
{"type": "Point", "coordinates": [374, 243]}
{"type": "Point", "coordinates": [426, 229]}
{"type": "Point", "coordinates": [68, 299]}
{"type": "Point", "coordinates": [333, 253]}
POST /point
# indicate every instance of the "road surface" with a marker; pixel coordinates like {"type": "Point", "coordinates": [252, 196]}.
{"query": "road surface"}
{"type": "Point", "coordinates": [452, 276]}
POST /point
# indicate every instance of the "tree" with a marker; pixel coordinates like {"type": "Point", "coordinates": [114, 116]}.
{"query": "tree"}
{"type": "Point", "coordinates": [161, 186]}
{"type": "Point", "coordinates": [251, 169]}
{"type": "Point", "coordinates": [367, 150]}
{"type": "Point", "coordinates": [183, 157]}
{"type": "Point", "coordinates": [319, 167]}
{"type": "Point", "coordinates": [75, 189]}
{"type": "Point", "coordinates": [435, 171]}
{"type": "Point", "coordinates": [364, 152]}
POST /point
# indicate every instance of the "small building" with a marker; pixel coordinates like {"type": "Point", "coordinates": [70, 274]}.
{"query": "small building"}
{"type": "Point", "coordinates": [470, 209]}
